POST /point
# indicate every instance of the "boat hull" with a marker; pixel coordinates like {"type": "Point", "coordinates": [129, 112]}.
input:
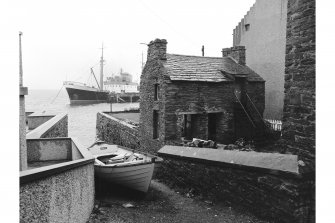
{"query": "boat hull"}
{"type": "Point", "coordinates": [135, 174]}
{"type": "Point", "coordinates": [83, 96]}
{"type": "Point", "coordinates": [136, 177]}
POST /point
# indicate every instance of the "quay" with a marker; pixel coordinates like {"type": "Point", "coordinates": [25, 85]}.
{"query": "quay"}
{"type": "Point", "coordinates": [124, 97]}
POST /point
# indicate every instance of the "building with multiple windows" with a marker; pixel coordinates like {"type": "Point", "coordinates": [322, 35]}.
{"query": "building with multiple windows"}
{"type": "Point", "coordinates": [121, 84]}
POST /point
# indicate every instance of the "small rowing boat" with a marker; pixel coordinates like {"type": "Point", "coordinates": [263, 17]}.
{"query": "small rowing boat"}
{"type": "Point", "coordinates": [123, 166]}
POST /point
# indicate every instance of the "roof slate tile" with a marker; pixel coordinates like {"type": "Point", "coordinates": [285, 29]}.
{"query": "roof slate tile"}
{"type": "Point", "coordinates": [207, 69]}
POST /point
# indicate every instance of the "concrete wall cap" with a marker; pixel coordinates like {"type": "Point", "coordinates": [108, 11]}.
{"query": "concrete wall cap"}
{"type": "Point", "coordinates": [270, 161]}
{"type": "Point", "coordinates": [42, 129]}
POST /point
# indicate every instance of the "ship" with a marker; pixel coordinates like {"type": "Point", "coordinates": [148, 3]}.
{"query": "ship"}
{"type": "Point", "coordinates": [81, 93]}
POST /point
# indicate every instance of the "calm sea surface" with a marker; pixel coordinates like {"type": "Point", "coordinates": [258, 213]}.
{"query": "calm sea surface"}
{"type": "Point", "coordinates": [82, 118]}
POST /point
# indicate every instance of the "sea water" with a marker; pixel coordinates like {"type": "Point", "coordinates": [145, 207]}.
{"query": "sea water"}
{"type": "Point", "coordinates": [82, 118]}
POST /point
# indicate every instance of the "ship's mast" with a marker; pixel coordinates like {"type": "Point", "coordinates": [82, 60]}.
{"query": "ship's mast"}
{"type": "Point", "coordinates": [102, 68]}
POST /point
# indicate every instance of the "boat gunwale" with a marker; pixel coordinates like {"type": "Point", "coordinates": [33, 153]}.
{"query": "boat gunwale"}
{"type": "Point", "coordinates": [130, 165]}
{"type": "Point", "coordinates": [157, 158]}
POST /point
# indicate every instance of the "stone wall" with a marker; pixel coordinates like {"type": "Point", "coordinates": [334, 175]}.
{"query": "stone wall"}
{"type": "Point", "coordinates": [153, 73]}
{"type": "Point", "coordinates": [274, 195]}
{"type": "Point", "coordinates": [256, 91]}
{"type": "Point", "coordinates": [299, 106]}
{"type": "Point", "coordinates": [236, 52]}
{"type": "Point", "coordinates": [64, 197]}
{"type": "Point", "coordinates": [113, 130]}
{"type": "Point", "coordinates": [199, 98]}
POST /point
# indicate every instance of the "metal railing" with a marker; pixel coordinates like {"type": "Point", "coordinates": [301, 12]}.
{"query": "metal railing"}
{"type": "Point", "coordinates": [245, 111]}
{"type": "Point", "coordinates": [260, 116]}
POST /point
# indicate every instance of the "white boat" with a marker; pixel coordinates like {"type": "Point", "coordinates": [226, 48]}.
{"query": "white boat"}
{"type": "Point", "coordinates": [123, 166]}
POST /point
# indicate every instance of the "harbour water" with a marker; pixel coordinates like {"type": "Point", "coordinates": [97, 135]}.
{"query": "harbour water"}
{"type": "Point", "coordinates": [82, 118]}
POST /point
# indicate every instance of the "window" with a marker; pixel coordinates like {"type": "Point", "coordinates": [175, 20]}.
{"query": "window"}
{"type": "Point", "coordinates": [155, 124]}
{"type": "Point", "coordinates": [156, 96]}
{"type": "Point", "coordinates": [247, 27]}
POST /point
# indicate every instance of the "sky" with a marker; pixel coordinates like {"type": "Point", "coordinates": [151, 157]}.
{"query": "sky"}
{"type": "Point", "coordinates": [62, 39]}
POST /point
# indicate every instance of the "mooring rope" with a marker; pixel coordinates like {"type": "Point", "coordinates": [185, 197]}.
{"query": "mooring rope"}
{"type": "Point", "coordinates": [57, 95]}
{"type": "Point", "coordinates": [52, 101]}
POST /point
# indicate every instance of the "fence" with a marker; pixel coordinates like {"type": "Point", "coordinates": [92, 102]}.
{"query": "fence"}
{"type": "Point", "coordinates": [275, 124]}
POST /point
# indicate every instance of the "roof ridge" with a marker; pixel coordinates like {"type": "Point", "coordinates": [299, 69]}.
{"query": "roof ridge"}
{"type": "Point", "coordinates": [174, 54]}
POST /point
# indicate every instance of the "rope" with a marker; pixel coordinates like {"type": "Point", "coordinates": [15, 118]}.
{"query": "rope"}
{"type": "Point", "coordinates": [57, 95]}
{"type": "Point", "coordinates": [47, 105]}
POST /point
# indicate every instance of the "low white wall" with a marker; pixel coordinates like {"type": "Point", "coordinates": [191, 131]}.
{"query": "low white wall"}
{"type": "Point", "coordinates": [61, 192]}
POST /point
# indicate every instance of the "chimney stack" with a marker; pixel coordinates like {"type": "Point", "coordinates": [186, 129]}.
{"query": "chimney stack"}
{"type": "Point", "coordinates": [236, 52]}
{"type": "Point", "coordinates": [157, 49]}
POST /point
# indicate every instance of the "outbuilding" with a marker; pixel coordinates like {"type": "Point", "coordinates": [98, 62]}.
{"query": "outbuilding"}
{"type": "Point", "coordinates": [185, 97]}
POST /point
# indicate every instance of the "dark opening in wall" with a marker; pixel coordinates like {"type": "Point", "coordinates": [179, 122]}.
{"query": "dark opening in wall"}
{"type": "Point", "coordinates": [156, 96]}
{"type": "Point", "coordinates": [212, 120]}
{"type": "Point", "coordinates": [187, 127]}
{"type": "Point", "coordinates": [155, 124]}
{"type": "Point", "coordinates": [247, 27]}
{"type": "Point", "coordinates": [240, 89]}
{"type": "Point", "coordinates": [192, 126]}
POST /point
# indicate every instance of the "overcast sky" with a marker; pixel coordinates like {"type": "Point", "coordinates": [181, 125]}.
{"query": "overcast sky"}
{"type": "Point", "coordinates": [61, 39]}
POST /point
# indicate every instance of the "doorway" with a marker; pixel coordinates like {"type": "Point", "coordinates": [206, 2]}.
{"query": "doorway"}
{"type": "Point", "coordinates": [239, 89]}
{"type": "Point", "coordinates": [212, 120]}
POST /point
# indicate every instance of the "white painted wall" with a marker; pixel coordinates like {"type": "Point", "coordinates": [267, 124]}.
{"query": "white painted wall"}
{"type": "Point", "coordinates": [265, 43]}
{"type": "Point", "coordinates": [118, 88]}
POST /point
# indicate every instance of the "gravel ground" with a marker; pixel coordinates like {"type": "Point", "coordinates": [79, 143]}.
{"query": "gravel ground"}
{"type": "Point", "coordinates": [160, 204]}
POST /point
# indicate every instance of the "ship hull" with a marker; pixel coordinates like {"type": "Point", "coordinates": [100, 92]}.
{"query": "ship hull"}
{"type": "Point", "coordinates": [85, 96]}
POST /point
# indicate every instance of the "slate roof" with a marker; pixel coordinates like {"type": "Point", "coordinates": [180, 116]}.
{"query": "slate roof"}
{"type": "Point", "coordinates": [207, 69]}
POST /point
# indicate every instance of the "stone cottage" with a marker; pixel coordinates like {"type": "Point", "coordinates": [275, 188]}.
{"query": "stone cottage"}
{"type": "Point", "coordinates": [185, 97]}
